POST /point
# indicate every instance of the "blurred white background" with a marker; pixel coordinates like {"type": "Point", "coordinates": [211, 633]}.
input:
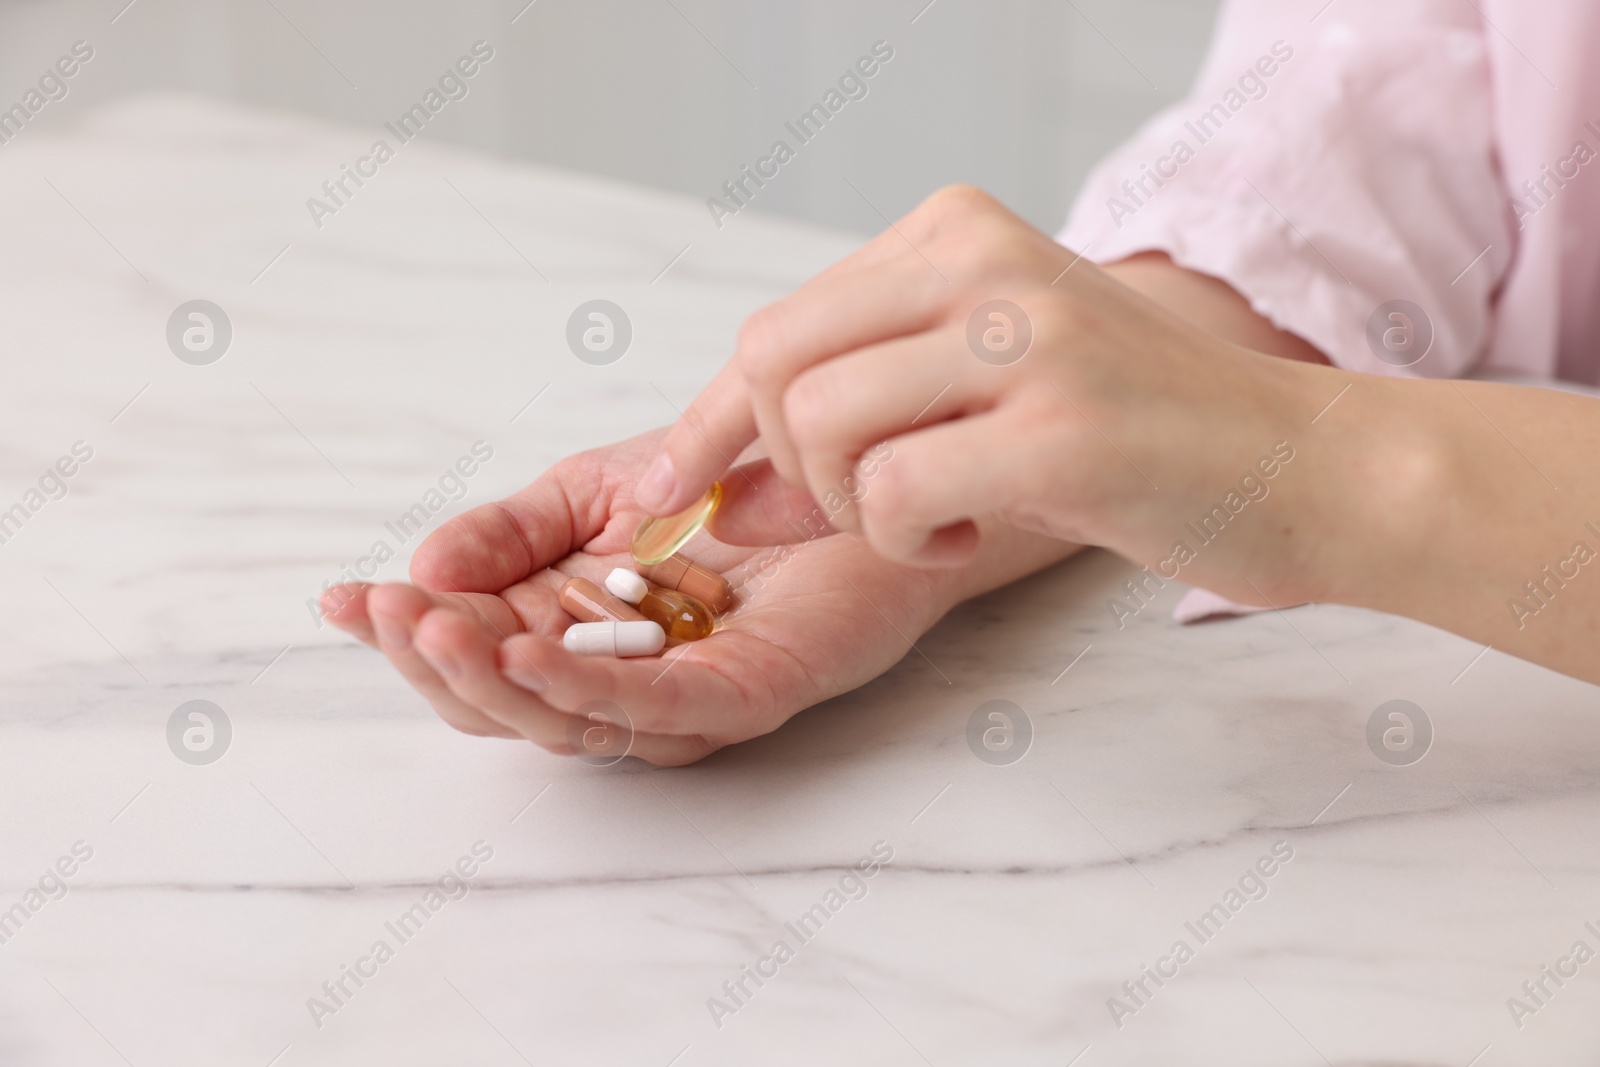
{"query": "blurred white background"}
{"type": "Point", "coordinates": [1018, 96]}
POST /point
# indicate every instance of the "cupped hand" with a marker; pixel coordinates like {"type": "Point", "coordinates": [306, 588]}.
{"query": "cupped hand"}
{"type": "Point", "coordinates": [479, 632]}
{"type": "Point", "coordinates": [1079, 408]}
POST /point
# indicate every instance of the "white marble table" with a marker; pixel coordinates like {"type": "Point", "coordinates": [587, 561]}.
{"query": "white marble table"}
{"type": "Point", "coordinates": [422, 318]}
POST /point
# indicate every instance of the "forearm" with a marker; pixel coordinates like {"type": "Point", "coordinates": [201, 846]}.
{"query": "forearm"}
{"type": "Point", "coordinates": [1467, 505]}
{"type": "Point", "coordinates": [1471, 506]}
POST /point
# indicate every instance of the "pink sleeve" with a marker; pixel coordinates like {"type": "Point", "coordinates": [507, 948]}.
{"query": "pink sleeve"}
{"type": "Point", "coordinates": [1323, 169]}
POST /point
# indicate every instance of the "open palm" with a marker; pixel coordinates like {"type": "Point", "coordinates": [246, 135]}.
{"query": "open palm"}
{"type": "Point", "coordinates": [478, 634]}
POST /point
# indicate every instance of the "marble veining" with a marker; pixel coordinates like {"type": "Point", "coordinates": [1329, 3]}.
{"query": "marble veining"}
{"type": "Point", "coordinates": [618, 902]}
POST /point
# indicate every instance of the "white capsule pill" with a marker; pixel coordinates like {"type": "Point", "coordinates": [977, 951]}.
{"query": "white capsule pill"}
{"type": "Point", "coordinates": [628, 638]}
{"type": "Point", "coordinates": [627, 584]}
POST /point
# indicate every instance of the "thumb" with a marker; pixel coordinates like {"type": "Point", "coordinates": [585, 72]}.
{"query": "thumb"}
{"type": "Point", "coordinates": [760, 508]}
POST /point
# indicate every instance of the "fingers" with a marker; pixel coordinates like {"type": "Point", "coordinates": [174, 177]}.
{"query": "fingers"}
{"type": "Point", "coordinates": [942, 477]}
{"type": "Point", "coordinates": [586, 685]}
{"type": "Point", "coordinates": [346, 607]}
{"type": "Point", "coordinates": [949, 547]}
{"type": "Point", "coordinates": [759, 508]}
{"type": "Point", "coordinates": [480, 551]}
{"type": "Point", "coordinates": [680, 693]}
{"type": "Point", "coordinates": [889, 288]}
{"type": "Point", "coordinates": [839, 410]}
{"type": "Point", "coordinates": [495, 545]}
{"type": "Point", "coordinates": [470, 692]}
{"type": "Point", "coordinates": [396, 609]}
{"type": "Point", "coordinates": [830, 315]}
{"type": "Point", "coordinates": [701, 445]}
{"type": "Point", "coordinates": [827, 318]}
{"type": "Point", "coordinates": [464, 657]}
{"type": "Point", "coordinates": [536, 601]}
{"type": "Point", "coordinates": [897, 291]}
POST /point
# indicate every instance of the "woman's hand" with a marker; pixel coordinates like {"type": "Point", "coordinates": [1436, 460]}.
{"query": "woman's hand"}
{"type": "Point", "coordinates": [1118, 424]}
{"type": "Point", "coordinates": [1157, 428]}
{"type": "Point", "coordinates": [479, 633]}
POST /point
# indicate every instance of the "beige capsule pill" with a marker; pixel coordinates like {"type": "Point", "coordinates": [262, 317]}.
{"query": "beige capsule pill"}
{"type": "Point", "coordinates": [587, 602]}
{"type": "Point", "coordinates": [686, 576]}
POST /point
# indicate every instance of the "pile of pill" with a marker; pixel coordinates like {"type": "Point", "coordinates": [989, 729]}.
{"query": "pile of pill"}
{"type": "Point", "coordinates": [639, 613]}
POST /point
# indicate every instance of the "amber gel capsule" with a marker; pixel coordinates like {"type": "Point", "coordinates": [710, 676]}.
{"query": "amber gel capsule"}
{"type": "Point", "coordinates": [587, 602]}
{"type": "Point", "coordinates": [682, 616]}
{"type": "Point", "coordinates": [659, 537]}
{"type": "Point", "coordinates": [686, 576]}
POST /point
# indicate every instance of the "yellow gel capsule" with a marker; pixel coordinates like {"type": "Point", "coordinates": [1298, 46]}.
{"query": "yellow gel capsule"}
{"type": "Point", "coordinates": [656, 539]}
{"type": "Point", "coordinates": [682, 616]}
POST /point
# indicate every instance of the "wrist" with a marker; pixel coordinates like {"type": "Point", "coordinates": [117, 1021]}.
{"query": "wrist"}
{"type": "Point", "coordinates": [1379, 490]}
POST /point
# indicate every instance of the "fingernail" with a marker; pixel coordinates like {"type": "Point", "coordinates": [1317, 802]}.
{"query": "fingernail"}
{"type": "Point", "coordinates": [655, 488]}
{"type": "Point", "coordinates": [444, 663]}
{"type": "Point", "coordinates": [525, 678]}
{"type": "Point", "coordinates": [393, 635]}
{"type": "Point", "coordinates": [521, 671]}
{"type": "Point", "coordinates": [339, 595]}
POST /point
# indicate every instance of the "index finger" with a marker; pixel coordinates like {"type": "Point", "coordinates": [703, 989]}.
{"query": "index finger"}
{"type": "Point", "coordinates": [829, 316]}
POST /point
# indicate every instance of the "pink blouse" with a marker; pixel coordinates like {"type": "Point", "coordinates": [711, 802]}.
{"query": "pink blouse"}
{"type": "Point", "coordinates": [1338, 157]}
